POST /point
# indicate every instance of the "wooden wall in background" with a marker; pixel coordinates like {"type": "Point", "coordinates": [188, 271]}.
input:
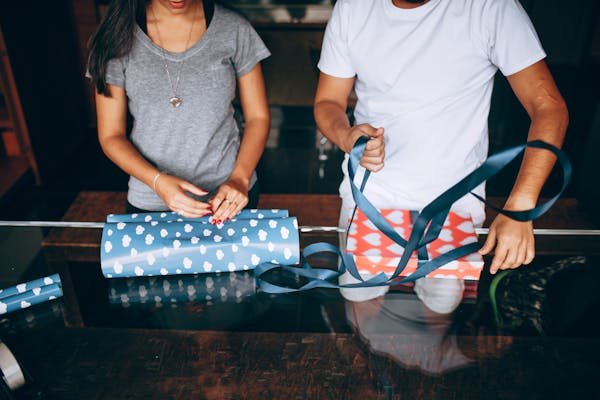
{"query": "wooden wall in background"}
{"type": "Point", "coordinates": [86, 23]}
{"type": "Point", "coordinates": [46, 62]}
{"type": "Point", "coordinates": [16, 154]}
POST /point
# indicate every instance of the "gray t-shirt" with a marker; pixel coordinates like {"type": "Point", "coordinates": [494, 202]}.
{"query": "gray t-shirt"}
{"type": "Point", "coordinates": [199, 140]}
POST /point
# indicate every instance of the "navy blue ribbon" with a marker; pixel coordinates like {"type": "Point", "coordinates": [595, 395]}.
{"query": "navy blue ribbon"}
{"type": "Point", "coordinates": [427, 225]}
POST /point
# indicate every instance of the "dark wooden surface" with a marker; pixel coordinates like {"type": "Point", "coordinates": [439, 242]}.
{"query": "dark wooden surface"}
{"type": "Point", "coordinates": [93, 363]}
{"type": "Point", "coordinates": [83, 244]}
{"type": "Point", "coordinates": [320, 210]}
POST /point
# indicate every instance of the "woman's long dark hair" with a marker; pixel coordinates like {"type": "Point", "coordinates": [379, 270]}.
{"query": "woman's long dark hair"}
{"type": "Point", "coordinates": [114, 38]}
{"type": "Point", "coordinates": [115, 35]}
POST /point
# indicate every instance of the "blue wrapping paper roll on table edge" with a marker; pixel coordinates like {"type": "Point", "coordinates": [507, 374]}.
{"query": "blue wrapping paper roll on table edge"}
{"type": "Point", "coordinates": [26, 294]}
{"type": "Point", "coordinates": [147, 247]}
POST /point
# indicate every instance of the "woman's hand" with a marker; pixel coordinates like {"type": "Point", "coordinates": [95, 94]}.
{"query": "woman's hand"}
{"type": "Point", "coordinates": [230, 199]}
{"type": "Point", "coordinates": [172, 191]}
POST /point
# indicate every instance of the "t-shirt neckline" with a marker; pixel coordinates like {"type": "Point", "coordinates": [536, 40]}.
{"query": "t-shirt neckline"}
{"type": "Point", "coordinates": [408, 13]}
{"type": "Point", "coordinates": [181, 55]}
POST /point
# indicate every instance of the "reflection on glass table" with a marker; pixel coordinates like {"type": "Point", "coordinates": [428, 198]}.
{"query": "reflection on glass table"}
{"type": "Point", "coordinates": [199, 336]}
{"type": "Point", "coordinates": [311, 12]}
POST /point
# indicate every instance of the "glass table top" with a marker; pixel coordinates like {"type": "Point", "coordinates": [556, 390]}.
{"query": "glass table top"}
{"type": "Point", "coordinates": [217, 336]}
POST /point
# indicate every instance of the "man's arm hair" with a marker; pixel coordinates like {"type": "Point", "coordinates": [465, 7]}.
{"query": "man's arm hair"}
{"type": "Point", "coordinates": [536, 90]}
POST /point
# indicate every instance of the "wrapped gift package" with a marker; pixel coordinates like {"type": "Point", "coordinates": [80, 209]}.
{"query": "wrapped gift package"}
{"type": "Point", "coordinates": [374, 252]}
{"type": "Point", "coordinates": [445, 244]}
{"type": "Point", "coordinates": [203, 288]}
{"type": "Point", "coordinates": [154, 244]}
{"type": "Point", "coordinates": [24, 295]}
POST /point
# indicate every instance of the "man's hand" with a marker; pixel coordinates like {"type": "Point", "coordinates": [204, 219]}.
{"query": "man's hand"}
{"type": "Point", "coordinates": [374, 154]}
{"type": "Point", "coordinates": [537, 92]}
{"type": "Point", "coordinates": [514, 243]}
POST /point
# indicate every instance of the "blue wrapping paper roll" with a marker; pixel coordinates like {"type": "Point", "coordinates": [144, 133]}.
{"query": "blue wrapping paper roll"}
{"type": "Point", "coordinates": [30, 297]}
{"type": "Point", "coordinates": [206, 288]}
{"type": "Point", "coordinates": [172, 216]}
{"type": "Point", "coordinates": [174, 246]}
{"type": "Point", "coordinates": [23, 287]}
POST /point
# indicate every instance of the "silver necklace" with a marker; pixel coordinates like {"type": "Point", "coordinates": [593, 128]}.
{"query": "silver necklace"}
{"type": "Point", "coordinates": [175, 99]}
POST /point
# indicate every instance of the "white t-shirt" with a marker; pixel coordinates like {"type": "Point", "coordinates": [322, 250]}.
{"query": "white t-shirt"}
{"type": "Point", "coordinates": [426, 76]}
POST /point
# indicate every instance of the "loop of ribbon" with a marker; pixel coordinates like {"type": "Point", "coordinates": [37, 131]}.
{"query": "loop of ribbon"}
{"type": "Point", "coordinates": [427, 225]}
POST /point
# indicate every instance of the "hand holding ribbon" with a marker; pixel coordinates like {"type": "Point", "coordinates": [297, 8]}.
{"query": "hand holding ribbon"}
{"type": "Point", "coordinates": [426, 227]}
{"type": "Point", "coordinates": [373, 154]}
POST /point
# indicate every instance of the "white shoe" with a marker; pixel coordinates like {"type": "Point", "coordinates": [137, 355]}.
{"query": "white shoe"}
{"type": "Point", "coordinates": [440, 295]}
{"type": "Point", "coordinates": [360, 294]}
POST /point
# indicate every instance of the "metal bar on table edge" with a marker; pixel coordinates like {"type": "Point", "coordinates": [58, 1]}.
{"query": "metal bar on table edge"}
{"type": "Point", "coordinates": [304, 229]}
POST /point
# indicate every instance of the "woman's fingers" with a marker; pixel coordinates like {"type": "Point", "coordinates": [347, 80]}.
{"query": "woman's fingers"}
{"type": "Point", "coordinates": [241, 201]}
{"type": "Point", "coordinates": [217, 204]}
{"type": "Point", "coordinates": [192, 203]}
{"type": "Point", "coordinates": [239, 208]}
{"type": "Point", "coordinates": [227, 203]}
{"type": "Point", "coordinates": [226, 210]}
{"type": "Point", "coordinates": [174, 193]}
{"type": "Point", "coordinates": [192, 208]}
{"type": "Point", "coordinates": [193, 189]}
{"type": "Point", "coordinates": [229, 212]}
{"type": "Point", "coordinates": [238, 202]}
{"type": "Point", "coordinates": [187, 211]}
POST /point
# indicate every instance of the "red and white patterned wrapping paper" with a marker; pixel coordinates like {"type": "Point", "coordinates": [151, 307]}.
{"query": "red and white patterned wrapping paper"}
{"type": "Point", "coordinates": [374, 252]}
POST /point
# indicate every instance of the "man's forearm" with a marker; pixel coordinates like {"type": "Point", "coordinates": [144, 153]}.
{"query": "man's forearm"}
{"type": "Point", "coordinates": [549, 124]}
{"type": "Point", "coordinates": [333, 123]}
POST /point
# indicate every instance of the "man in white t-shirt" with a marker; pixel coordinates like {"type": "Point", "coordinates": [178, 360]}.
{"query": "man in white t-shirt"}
{"type": "Point", "coordinates": [423, 72]}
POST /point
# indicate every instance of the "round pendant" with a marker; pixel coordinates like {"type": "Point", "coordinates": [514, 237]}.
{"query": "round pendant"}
{"type": "Point", "coordinates": [175, 101]}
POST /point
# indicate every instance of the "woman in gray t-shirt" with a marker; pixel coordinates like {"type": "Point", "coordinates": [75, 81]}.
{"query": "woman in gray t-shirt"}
{"type": "Point", "coordinates": [175, 64]}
